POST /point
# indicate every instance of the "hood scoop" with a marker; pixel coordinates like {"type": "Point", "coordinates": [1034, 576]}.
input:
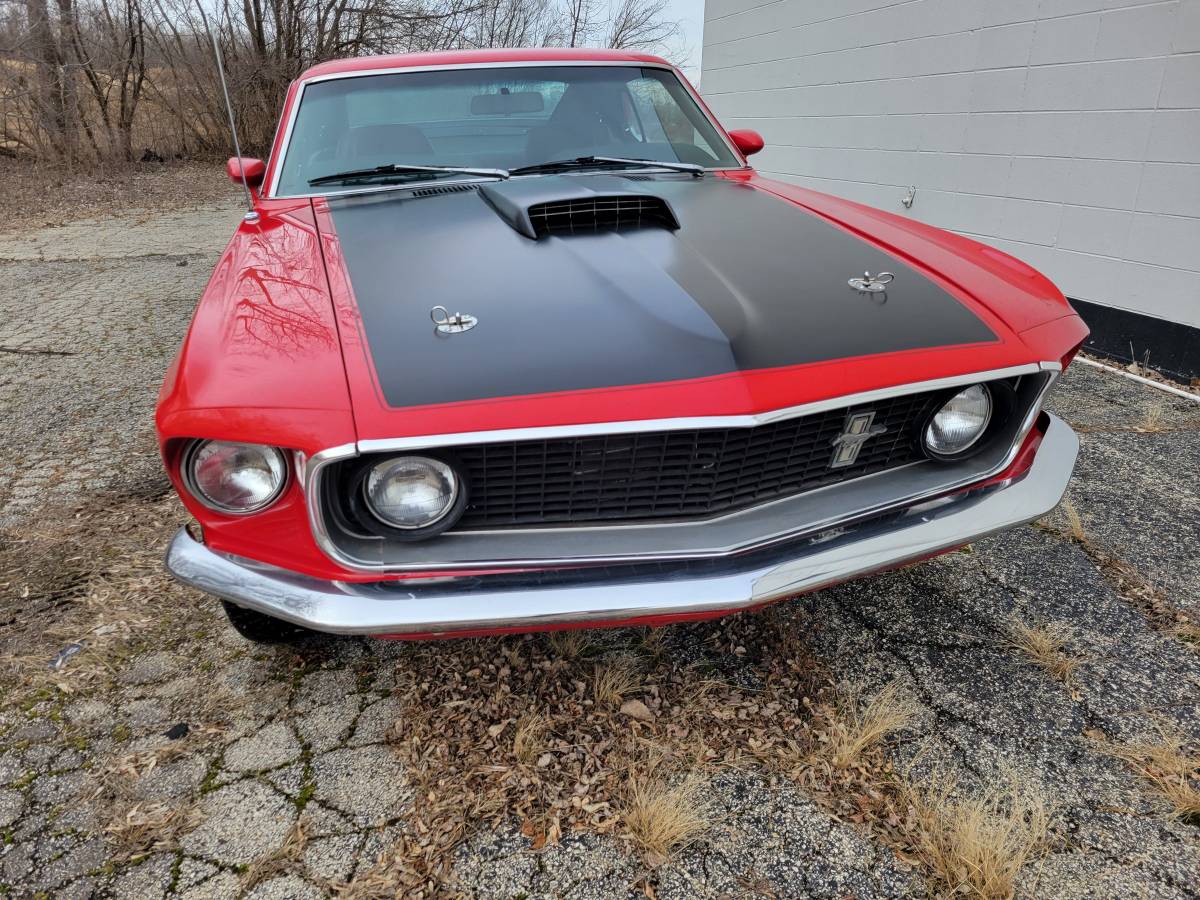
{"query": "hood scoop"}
{"type": "Point", "coordinates": [572, 205]}
{"type": "Point", "coordinates": [616, 213]}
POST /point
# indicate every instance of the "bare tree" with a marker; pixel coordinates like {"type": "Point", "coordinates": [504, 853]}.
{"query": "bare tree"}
{"type": "Point", "coordinates": [640, 25]}
{"type": "Point", "coordinates": [98, 79]}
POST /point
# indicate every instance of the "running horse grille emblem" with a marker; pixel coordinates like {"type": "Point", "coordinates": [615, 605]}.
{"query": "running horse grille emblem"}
{"type": "Point", "coordinates": [859, 429]}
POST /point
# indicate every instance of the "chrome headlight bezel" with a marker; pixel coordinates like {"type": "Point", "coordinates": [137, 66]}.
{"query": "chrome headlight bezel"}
{"type": "Point", "coordinates": [276, 461]}
{"type": "Point", "coordinates": [977, 442]}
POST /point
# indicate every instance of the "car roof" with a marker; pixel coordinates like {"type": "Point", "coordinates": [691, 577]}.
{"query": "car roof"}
{"type": "Point", "coordinates": [477, 57]}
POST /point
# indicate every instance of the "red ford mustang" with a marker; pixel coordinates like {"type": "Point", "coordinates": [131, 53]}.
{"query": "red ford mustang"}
{"type": "Point", "coordinates": [516, 340]}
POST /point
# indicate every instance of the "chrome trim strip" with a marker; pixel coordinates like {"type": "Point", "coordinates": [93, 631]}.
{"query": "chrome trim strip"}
{"type": "Point", "coordinates": [455, 604]}
{"type": "Point", "coordinates": [363, 73]}
{"type": "Point", "coordinates": [693, 422]}
{"type": "Point", "coordinates": [318, 462]}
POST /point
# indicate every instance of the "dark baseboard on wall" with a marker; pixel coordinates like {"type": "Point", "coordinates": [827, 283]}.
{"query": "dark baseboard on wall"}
{"type": "Point", "coordinates": [1118, 334]}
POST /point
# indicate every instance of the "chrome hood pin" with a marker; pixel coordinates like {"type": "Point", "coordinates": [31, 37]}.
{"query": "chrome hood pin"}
{"type": "Point", "coordinates": [872, 284]}
{"type": "Point", "coordinates": [451, 324]}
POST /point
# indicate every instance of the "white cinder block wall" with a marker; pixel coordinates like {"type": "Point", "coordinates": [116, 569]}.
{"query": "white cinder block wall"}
{"type": "Point", "coordinates": [1066, 132]}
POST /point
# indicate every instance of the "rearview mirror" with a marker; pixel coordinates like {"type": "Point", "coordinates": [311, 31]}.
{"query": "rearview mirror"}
{"type": "Point", "coordinates": [507, 103]}
{"type": "Point", "coordinates": [747, 140]}
{"type": "Point", "coordinates": [253, 170]}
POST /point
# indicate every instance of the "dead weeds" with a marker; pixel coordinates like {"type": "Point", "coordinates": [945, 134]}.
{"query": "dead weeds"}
{"type": "Point", "coordinates": [37, 195]}
{"type": "Point", "coordinates": [977, 845]}
{"type": "Point", "coordinates": [1075, 528]}
{"type": "Point", "coordinates": [1044, 646]}
{"type": "Point", "coordinates": [1168, 766]}
{"type": "Point", "coordinates": [615, 680]}
{"type": "Point", "coordinates": [112, 608]}
{"type": "Point", "coordinates": [663, 814]}
{"type": "Point", "coordinates": [529, 737]}
{"type": "Point", "coordinates": [1130, 584]}
{"type": "Point", "coordinates": [857, 725]}
{"type": "Point", "coordinates": [503, 732]}
{"type": "Point", "coordinates": [284, 859]}
{"type": "Point", "coordinates": [142, 828]}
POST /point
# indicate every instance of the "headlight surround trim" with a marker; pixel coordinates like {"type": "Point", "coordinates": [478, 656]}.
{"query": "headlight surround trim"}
{"type": "Point", "coordinates": [976, 442]}
{"type": "Point", "coordinates": [274, 457]}
{"type": "Point", "coordinates": [372, 519]}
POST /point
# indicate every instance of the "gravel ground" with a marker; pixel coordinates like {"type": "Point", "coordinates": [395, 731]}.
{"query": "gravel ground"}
{"type": "Point", "coordinates": [171, 758]}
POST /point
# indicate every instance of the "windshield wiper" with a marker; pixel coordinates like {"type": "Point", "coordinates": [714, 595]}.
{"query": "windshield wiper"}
{"type": "Point", "coordinates": [583, 162]}
{"type": "Point", "coordinates": [396, 169]}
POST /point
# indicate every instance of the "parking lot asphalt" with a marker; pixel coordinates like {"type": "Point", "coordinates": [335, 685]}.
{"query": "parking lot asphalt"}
{"type": "Point", "coordinates": [168, 757]}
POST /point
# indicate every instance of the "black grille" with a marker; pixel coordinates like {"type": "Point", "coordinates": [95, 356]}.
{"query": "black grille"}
{"type": "Point", "coordinates": [667, 475]}
{"type": "Point", "coordinates": [601, 214]}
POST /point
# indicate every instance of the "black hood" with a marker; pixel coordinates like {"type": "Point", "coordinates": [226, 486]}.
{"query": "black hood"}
{"type": "Point", "coordinates": [727, 279]}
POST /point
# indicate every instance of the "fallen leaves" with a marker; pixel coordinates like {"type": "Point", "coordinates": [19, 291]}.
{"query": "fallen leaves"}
{"type": "Point", "coordinates": [636, 709]}
{"type": "Point", "coordinates": [619, 740]}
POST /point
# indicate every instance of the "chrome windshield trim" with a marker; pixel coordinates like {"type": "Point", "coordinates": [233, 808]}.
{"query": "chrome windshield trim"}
{"type": "Point", "coordinates": [324, 540]}
{"type": "Point", "coordinates": [524, 64]}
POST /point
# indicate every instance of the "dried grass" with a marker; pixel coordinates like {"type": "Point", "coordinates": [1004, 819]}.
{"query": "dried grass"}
{"type": "Point", "coordinates": [38, 194]}
{"type": "Point", "coordinates": [149, 828]}
{"type": "Point", "coordinates": [1188, 632]}
{"type": "Point", "coordinates": [858, 726]}
{"type": "Point", "coordinates": [95, 579]}
{"type": "Point", "coordinates": [1044, 645]}
{"type": "Point", "coordinates": [1074, 522]}
{"type": "Point", "coordinates": [654, 643]}
{"type": "Point", "coordinates": [284, 859]}
{"type": "Point", "coordinates": [1152, 421]}
{"type": "Point", "coordinates": [1143, 594]}
{"type": "Point", "coordinates": [663, 814]}
{"type": "Point", "coordinates": [529, 737]}
{"type": "Point", "coordinates": [570, 644]}
{"type": "Point", "coordinates": [1168, 766]}
{"type": "Point", "coordinates": [615, 680]}
{"type": "Point", "coordinates": [977, 846]}
{"type": "Point", "coordinates": [465, 775]}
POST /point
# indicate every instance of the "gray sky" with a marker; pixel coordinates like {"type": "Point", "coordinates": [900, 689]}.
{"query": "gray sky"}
{"type": "Point", "coordinates": [691, 14]}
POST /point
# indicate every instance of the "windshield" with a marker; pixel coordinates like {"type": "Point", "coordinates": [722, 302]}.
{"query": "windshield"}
{"type": "Point", "coordinates": [497, 118]}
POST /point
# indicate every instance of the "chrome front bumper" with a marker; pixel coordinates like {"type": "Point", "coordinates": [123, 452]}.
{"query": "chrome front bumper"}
{"type": "Point", "coordinates": [531, 600]}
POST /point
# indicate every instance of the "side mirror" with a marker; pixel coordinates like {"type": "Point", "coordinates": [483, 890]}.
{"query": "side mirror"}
{"type": "Point", "coordinates": [254, 169]}
{"type": "Point", "coordinates": [746, 140]}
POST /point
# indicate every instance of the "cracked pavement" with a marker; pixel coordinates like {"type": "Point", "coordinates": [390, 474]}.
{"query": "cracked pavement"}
{"type": "Point", "coordinates": [284, 784]}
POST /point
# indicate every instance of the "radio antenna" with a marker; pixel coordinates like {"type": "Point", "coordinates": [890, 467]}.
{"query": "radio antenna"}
{"type": "Point", "coordinates": [251, 213]}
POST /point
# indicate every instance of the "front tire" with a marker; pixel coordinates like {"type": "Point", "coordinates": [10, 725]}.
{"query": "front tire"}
{"type": "Point", "coordinates": [262, 629]}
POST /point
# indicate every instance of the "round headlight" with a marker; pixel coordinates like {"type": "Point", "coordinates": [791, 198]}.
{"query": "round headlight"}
{"type": "Point", "coordinates": [411, 492]}
{"type": "Point", "coordinates": [235, 478]}
{"type": "Point", "coordinates": [960, 422]}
